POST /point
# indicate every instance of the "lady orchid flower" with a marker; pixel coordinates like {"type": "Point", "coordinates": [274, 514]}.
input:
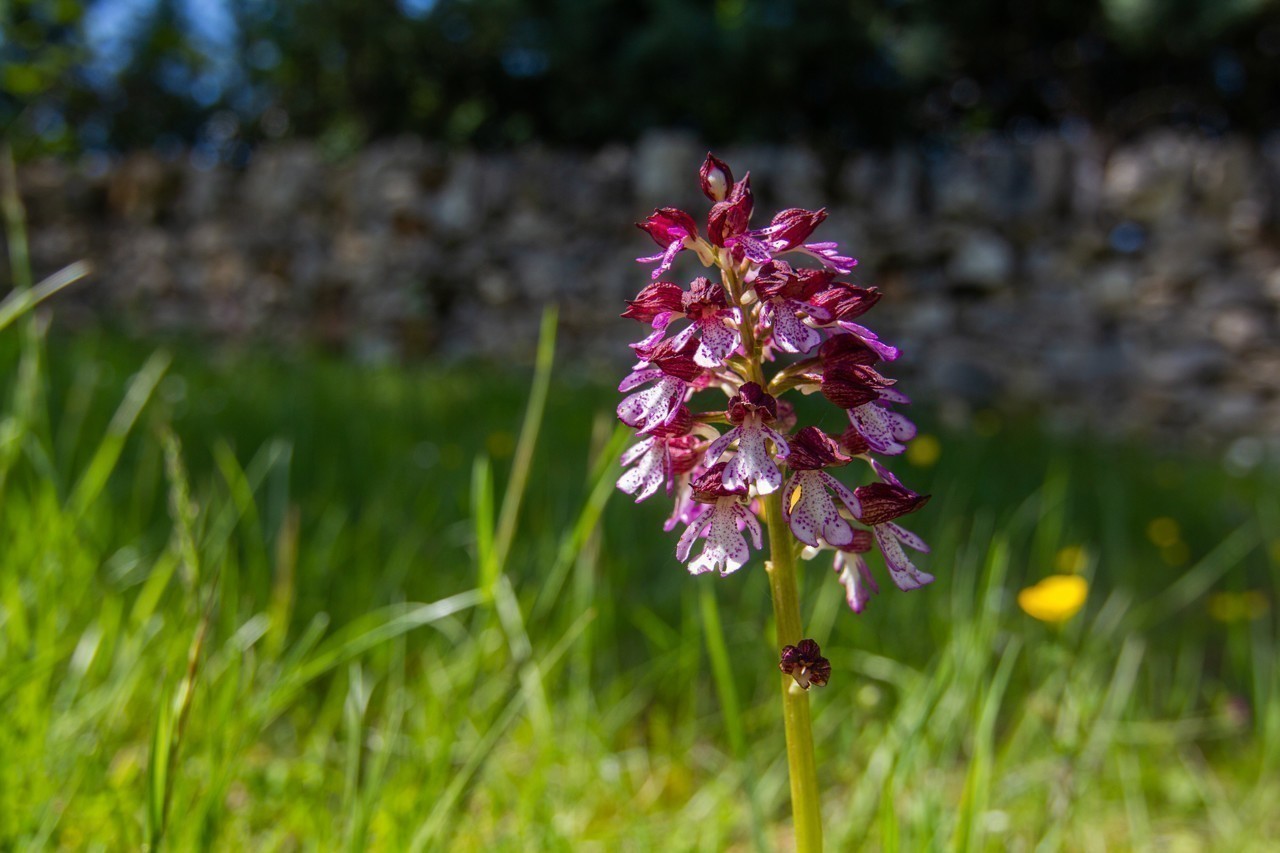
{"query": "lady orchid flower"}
{"type": "Point", "coordinates": [780, 295]}
{"type": "Point", "coordinates": [657, 461]}
{"type": "Point", "coordinates": [806, 506]}
{"type": "Point", "coordinates": [720, 522]}
{"type": "Point", "coordinates": [751, 413]}
{"type": "Point", "coordinates": [881, 503]}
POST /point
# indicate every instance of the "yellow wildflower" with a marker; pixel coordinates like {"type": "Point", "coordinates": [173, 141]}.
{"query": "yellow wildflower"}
{"type": "Point", "coordinates": [1055, 599]}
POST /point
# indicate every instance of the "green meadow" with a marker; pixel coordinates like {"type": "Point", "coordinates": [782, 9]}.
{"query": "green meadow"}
{"type": "Point", "coordinates": [257, 602]}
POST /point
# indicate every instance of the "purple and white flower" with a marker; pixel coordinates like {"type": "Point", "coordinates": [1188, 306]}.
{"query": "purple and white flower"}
{"type": "Point", "coordinates": [762, 310]}
{"type": "Point", "coordinates": [720, 522]}
{"type": "Point", "coordinates": [881, 504]}
{"type": "Point", "coordinates": [673, 230]}
{"type": "Point", "coordinates": [672, 371]}
{"type": "Point", "coordinates": [806, 506]}
{"type": "Point", "coordinates": [785, 293]}
{"type": "Point", "coordinates": [751, 412]}
{"type": "Point", "coordinates": [877, 428]}
{"type": "Point", "coordinates": [657, 461]}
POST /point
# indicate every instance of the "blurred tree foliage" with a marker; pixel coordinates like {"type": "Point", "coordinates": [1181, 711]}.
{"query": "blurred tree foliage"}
{"type": "Point", "coordinates": [582, 72]}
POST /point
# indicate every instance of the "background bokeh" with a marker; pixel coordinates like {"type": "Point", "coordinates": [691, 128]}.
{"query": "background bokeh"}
{"type": "Point", "coordinates": [308, 537]}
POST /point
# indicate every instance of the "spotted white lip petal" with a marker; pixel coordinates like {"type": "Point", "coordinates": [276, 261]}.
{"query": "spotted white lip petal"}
{"type": "Point", "coordinates": [717, 448]}
{"type": "Point", "coordinates": [650, 470]}
{"type": "Point", "coordinates": [904, 573]}
{"type": "Point", "coordinates": [844, 493]}
{"type": "Point", "coordinates": [695, 529]}
{"type": "Point", "coordinates": [906, 537]}
{"type": "Point", "coordinates": [753, 524]}
{"type": "Point", "coordinates": [791, 334]}
{"type": "Point", "coordinates": [718, 343]}
{"type": "Point", "coordinates": [725, 548]}
{"type": "Point", "coordinates": [815, 515]}
{"type": "Point", "coordinates": [878, 426]}
{"type": "Point", "coordinates": [752, 464]}
{"type": "Point", "coordinates": [654, 406]}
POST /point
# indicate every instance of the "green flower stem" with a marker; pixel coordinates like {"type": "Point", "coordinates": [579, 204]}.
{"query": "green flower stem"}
{"type": "Point", "coordinates": [806, 806]}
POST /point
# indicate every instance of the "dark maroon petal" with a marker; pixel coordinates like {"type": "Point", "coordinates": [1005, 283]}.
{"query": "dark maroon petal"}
{"type": "Point", "coordinates": [883, 502]}
{"type": "Point", "coordinates": [685, 452]}
{"type": "Point", "coordinates": [793, 226]}
{"type": "Point", "coordinates": [809, 649]}
{"type": "Point", "coordinates": [854, 442]}
{"type": "Point", "coordinates": [820, 672]}
{"type": "Point", "coordinates": [704, 296]}
{"type": "Point", "coordinates": [846, 301]}
{"type": "Point", "coordinates": [752, 400]}
{"type": "Point", "coordinates": [805, 664]}
{"type": "Point", "coordinates": [667, 224]}
{"type": "Point", "coordinates": [653, 300]}
{"type": "Point", "coordinates": [677, 426]}
{"type": "Point", "coordinates": [675, 362]}
{"type": "Point", "coordinates": [779, 280]}
{"type": "Point", "coordinates": [848, 386]}
{"type": "Point", "coordinates": [730, 218]}
{"type": "Point", "coordinates": [811, 449]}
{"type": "Point", "coordinates": [715, 178]}
{"type": "Point", "coordinates": [862, 541]}
{"type": "Point", "coordinates": [710, 487]}
{"type": "Point", "coordinates": [846, 350]}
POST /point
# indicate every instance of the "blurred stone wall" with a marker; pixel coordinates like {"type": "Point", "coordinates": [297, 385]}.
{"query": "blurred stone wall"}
{"type": "Point", "coordinates": [1128, 287]}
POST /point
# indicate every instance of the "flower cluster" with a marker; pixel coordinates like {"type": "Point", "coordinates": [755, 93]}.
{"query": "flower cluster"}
{"type": "Point", "coordinates": [779, 303]}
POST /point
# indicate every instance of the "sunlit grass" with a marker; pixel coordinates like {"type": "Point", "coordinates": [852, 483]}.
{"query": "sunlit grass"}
{"type": "Point", "coordinates": [385, 667]}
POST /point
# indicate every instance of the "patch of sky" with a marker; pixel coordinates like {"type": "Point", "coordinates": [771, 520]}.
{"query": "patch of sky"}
{"type": "Point", "coordinates": [110, 26]}
{"type": "Point", "coordinates": [416, 9]}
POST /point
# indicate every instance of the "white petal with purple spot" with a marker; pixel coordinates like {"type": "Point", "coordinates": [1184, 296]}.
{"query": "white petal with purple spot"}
{"type": "Point", "coordinates": [790, 334]}
{"type": "Point", "coordinates": [901, 569]}
{"type": "Point", "coordinates": [878, 426]}
{"type": "Point", "coordinates": [752, 464]}
{"type": "Point", "coordinates": [906, 537]}
{"type": "Point", "coordinates": [844, 493]}
{"type": "Point", "coordinates": [718, 343]}
{"type": "Point", "coordinates": [650, 470]}
{"type": "Point", "coordinates": [697, 525]}
{"type": "Point", "coordinates": [638, 377]}
{"type": "Point", "coordinates": [726, 548]}
{"type": "Point", "coordinates": [815, 515]}
{"type": "Point", "coordinates": [653, 407]}
{"type": "Point", "coordinates": [717, 448]}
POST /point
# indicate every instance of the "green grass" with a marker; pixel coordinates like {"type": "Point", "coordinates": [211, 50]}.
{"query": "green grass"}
{"type": "Point", "coordinates": [256, 603]}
